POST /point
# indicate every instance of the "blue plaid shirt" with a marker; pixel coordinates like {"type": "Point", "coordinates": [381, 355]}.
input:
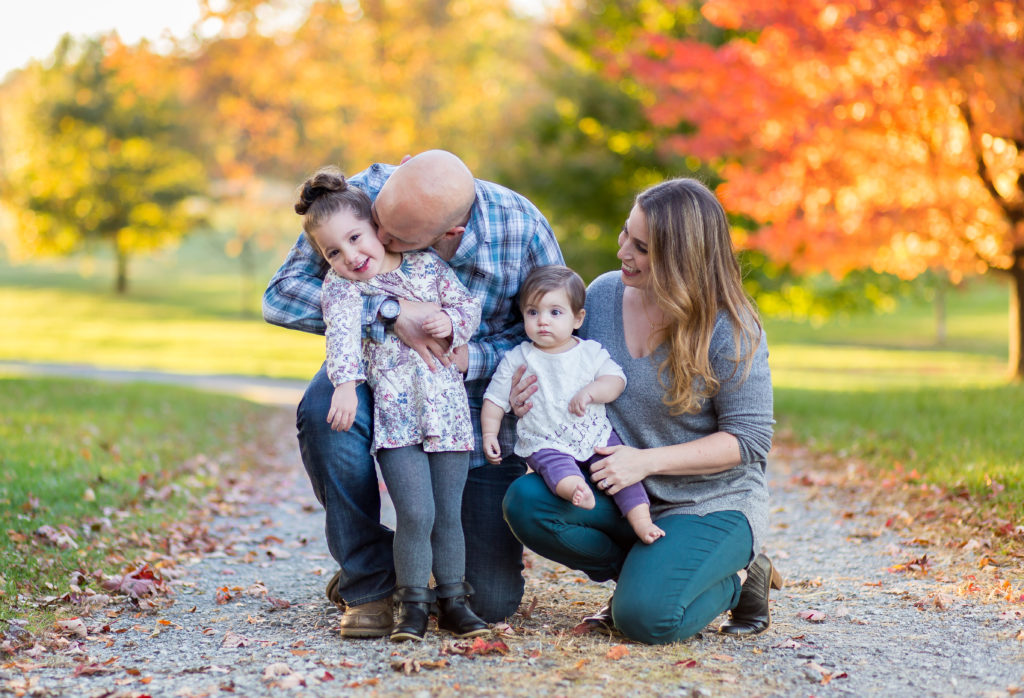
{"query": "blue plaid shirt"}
{"type": "Point", "coordinates": [506, 237]}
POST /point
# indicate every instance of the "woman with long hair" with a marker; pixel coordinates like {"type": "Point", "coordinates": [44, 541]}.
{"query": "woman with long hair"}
{"type": "Point", "coordinates": [696, 423]}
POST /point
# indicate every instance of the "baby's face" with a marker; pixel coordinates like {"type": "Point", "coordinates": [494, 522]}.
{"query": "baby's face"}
{"type": "Point", "coordinates": [549, 321]}
{"type": "Point", "coordinates": [350, 246]}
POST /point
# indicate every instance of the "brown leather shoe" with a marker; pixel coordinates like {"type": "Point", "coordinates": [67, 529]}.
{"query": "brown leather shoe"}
{"type": "Point", "coordinates": [373, 619]}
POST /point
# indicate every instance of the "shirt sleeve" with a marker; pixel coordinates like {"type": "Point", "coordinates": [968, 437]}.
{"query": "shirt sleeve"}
{"type": "Point", "coordinates": [606, 366]}
{"type": "Point", "coordinates": [743, 403]}
{"type": "Point", "coordinates": [461, 307]}
{"type": "Point", "coordinates": [486, 352]}
{"type": "Point", "coordinates": [342, 311]}
{"type": "Point", "coordinates": [292, 298]}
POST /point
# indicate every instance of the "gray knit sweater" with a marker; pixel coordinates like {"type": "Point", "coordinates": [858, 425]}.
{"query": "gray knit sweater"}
{"type": "Point", "coordinates": [741, 408]}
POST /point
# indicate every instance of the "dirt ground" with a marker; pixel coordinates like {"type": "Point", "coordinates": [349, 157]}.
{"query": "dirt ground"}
{"type": "Point", "coordinates": [868, 609]}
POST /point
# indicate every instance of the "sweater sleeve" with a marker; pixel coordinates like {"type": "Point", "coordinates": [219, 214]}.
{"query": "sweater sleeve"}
{"type": "Point", "coordinates": [744, 402]}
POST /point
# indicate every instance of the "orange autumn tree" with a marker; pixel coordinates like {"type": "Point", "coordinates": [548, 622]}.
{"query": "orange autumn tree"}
{"type": "Point", "coordinates": [881, 134]}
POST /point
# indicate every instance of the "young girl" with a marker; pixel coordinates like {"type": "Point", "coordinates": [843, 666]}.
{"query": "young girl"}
{"type": "Point", "coordinates": [421, 423]}
{"type": "Point", "coordinates": [577, 378]}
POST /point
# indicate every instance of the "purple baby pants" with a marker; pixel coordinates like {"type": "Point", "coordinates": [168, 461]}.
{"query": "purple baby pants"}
{"type": "Point", "coordinates": [554, 466]}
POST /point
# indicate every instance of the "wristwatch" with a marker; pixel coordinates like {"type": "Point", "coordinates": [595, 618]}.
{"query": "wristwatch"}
{"type": "Point", "coordinates": [389, 311]}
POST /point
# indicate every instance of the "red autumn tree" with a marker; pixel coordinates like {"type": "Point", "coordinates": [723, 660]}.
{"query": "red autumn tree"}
{"type": "Point", "coordinates": [883, 134]}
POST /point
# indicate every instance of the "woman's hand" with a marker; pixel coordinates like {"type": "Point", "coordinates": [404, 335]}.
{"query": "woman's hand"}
{"type": "Point", "coordinates": [623, 466]}
{"type": "Point", "coordinates": [522, 389]}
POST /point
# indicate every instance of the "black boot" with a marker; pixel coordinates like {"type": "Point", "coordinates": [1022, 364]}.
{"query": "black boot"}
{"type": "Point", "coordinates": [455, 615]}
{"type": "Point", "coordinates": [413, 613]}
{"type": "Point", "coordinates": [751, 616]}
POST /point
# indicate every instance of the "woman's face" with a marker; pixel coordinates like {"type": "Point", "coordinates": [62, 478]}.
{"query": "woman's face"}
{"type": "Point", "coordinates": [636, 261]}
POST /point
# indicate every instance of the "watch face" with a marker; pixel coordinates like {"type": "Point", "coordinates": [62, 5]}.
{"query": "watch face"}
{"type": "Point", "coordinates": [390, 309]}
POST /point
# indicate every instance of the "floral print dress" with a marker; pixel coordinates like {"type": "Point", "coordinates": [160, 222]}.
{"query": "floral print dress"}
{"type": "Point", "coordinates": [411, 404]}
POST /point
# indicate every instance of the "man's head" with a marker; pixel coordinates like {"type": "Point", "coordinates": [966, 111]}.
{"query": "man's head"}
{"type": "Point", "coordinates": [426, 199]}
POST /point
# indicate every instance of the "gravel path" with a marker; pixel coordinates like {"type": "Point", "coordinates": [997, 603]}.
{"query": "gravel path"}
{"type": "Point", "coordinates": [250, 619]}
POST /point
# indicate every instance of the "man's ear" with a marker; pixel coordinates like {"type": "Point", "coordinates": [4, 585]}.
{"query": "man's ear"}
{"type": "Point", "coordinates": [579, 318]}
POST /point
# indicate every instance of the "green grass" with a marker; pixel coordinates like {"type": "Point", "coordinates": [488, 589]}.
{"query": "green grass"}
{"type": "Point", "coordinates": [190, 311]}
{"type": "Point", "coordinates": [877, 388]}
{"type": "Point", "coordinates": [874, 386]}
{"type": "Point", "coordinates": [106, 461]}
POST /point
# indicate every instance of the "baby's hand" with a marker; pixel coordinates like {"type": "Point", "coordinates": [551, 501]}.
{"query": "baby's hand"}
{"type": "Point", "coordinates": [579, 402]}
{"type": "Point", "coordinates": [492, 451]}
{"type": "Point", "coordinates": [438, 325]}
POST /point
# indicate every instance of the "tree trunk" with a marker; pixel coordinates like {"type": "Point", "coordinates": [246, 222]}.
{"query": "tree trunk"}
{"type": "Point", "coordinates": [940, 311]}
{"type": "Point", "coordinates": [121, 282]}
{"type": "Point", "coordinates": [1017, 318]}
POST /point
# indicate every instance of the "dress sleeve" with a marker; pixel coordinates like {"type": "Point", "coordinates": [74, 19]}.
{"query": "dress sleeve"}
{"type": "Point", "coordinates": [462, 308]}
{"type": "Point", "coordinates": [743, 403]}
{"type": "Point", "coordinates": [342, 309]}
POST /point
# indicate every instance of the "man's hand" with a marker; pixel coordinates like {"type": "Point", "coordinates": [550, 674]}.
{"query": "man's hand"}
{"type": "Point", "coordinates": [460, 355]}
{"type": "Point", "coordinates": [409, 329]}
{"type": "Point", "coordinates": [521, 391]}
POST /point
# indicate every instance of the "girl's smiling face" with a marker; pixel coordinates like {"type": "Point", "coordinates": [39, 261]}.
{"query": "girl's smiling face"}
{"type": "Point", "coordinates": [633, 250]}
{"type": "Point", "coordinates": [350, 246]}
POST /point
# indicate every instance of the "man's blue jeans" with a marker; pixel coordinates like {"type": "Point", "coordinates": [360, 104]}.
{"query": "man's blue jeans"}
{"type": "Point", "coordinates": [341, 470]}
{"type": "Point", "coordinates": [666, 591]}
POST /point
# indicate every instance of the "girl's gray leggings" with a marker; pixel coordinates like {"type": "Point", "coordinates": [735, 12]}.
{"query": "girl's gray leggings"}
{"type": "Point", "coordinates": [426, 489]}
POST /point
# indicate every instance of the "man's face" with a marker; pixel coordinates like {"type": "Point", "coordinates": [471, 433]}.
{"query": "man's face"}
{"type": "Point", "coordinates": [396, 237]}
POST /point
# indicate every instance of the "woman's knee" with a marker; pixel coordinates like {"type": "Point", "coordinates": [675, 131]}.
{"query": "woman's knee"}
{"type": "Point", "coordinates": [646, 620]}
{"type": "Point", "coordinates": [520, 504]}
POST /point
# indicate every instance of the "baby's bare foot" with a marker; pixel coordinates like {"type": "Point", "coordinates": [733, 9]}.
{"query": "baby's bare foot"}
{"type": "Point", "coordinates": [583, 497]}
{"type": "Point", "coordinates": [648, 532]}
{"type": "Point", "coordinates": [574, 489]}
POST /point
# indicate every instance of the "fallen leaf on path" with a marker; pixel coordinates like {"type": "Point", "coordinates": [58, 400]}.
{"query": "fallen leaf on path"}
{"type": "Point", "coordinates": [276, 670]}
{"type": "Point", "coordinates": [479, 646]}
{"type": "Point", "coordinates": [72, 626]}
{"type": "Point", "coordinates": [812, 615]}
{"type": "Point", "coordinates": [235, 640]}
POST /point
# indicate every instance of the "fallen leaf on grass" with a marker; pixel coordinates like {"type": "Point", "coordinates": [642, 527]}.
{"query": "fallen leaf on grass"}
{"type": "Point", "coordinates": [686, 663]}
{"type": "Point", "coordinates": [812, 616]}
{"type": "Point", "coordinates": [617, 652]}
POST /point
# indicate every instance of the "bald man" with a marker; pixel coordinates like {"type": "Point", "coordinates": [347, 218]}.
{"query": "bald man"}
{"type": "Point", "coordinates": [492, 238]}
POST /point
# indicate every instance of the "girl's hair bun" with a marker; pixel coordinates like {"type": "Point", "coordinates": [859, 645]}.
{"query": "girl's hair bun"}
{"type": "Point", "coordinates": [327, 180]}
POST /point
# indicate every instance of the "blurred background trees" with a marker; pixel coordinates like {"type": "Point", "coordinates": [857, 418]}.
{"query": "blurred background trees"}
{"type": "Point", "coordinates": [858, 145]}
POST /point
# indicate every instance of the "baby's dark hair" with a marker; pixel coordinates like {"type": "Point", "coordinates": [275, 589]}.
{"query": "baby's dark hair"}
{"type": "Point", "coordinates": [551, 278]}
{"type": "Point", "coordinates": [323, 195]}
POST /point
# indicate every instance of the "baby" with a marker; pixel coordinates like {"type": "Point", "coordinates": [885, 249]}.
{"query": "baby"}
{"type": "Point", "coordinates": [576, 378]}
